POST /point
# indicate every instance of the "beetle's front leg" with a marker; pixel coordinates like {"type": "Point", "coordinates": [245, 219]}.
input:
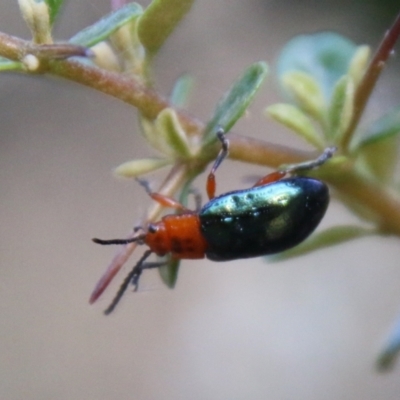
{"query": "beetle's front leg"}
{"type": "Point", "coordinates": [211, 184]}
{"type": "Point", "coordinates": [162, 199]}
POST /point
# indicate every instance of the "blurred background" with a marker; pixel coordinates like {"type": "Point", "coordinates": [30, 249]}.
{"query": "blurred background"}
{"type": "Point", "coordinates": [308, 328]}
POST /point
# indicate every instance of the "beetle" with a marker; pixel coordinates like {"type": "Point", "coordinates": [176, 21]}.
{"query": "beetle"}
{"type": "Point", "coordinates": [274, 215]}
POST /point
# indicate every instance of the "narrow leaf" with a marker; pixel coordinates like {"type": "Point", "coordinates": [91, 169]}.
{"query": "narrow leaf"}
{"type": "Point", "coordinates": [54, 8]}
{"type": "Point", "coordinates": [169, 272]}
{"type": "Point", "coordinates": [341, 107]}
{"type": "Point", "coordinates": [168, 126]}
{"type": "Point", "coordinates": [304, 90]}
{"type": "Point", "coordinates": [134, 168]}
{"type": "Point", "coordinates": [359, 63]}
{"type": "Point", "coordinates": [181, 90]}
{"type": "Point", "coordinates": [235, 102]}
{"type": "Point", "coordinates": [294, 119]}
{"type": "Point", "coordinates": [159, 20]}
{"type": "Point", "coordinates": [390, 351]}
{"type": "Point", "coordinates": [107, 25]}
{"type": "Point", "coordinates": [9, 65]}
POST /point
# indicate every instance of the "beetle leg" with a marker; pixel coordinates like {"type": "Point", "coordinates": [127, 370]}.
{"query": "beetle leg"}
{"type": "Point", "coordinates": [147, 265]}
{"type": "Point", "coordinates": [305, 166]}
{"type": "Point", "coordinates": [277, 175]}
{"type": "Point", "coordinates": [272, 177]}
{"type": "Point", "coordinates": [162, 199]}
{"type": "Point", "coordinates": [132, 277]}
{"type": "Point", "coordinates": [211, 184]}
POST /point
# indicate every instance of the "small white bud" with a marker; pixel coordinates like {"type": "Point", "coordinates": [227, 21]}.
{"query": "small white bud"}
{"type": "Point", "coordinates": [31, 62]}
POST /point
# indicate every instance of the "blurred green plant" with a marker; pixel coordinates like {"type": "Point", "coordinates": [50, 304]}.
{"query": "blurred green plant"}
{"type": "Point", "coordinates": [326, 82]}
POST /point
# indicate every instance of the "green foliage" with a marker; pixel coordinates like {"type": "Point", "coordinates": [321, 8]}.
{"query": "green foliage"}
{"type": "Point", "coordinates": [159, 20]}
{"type": "Point", "coordinates": [390, 352]}
{"type": "Point", "coordinates": [54, 8]}
{"type": "Point", "coordinates": [326, 80]}
{"type": "Point", "coordinates": [340, 109]}
{"type": "Point", "coordinates": [8, 65]}
{"type": "Point", "coordinates": [103, 28]}
{"type": "Point", "coordinates": [296, 120]}
{"type": "Point", "coordinates": [325, 56]}
{"type": "Point", "coordinates": [304, 90]}
{"type": "Point", "coordinates": [319, 74]}
{"type": "Point", "coordinates": [169, 272]}
{"type": "Point", "coordinates": [236, 100]}
{"type": "Point", "coordinates": [135, 168]}
{"type": "Point", "coordinates": [181, 91]}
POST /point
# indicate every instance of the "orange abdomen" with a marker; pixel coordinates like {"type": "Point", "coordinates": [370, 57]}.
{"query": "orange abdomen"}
{"type": "Point", "coordinates": [179, 235]}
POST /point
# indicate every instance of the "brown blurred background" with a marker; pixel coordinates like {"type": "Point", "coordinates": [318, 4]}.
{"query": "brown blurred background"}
{"type": "Point", "coordinates": [308, 328]}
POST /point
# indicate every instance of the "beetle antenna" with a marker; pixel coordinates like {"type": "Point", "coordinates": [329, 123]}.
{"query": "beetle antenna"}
{"type": "Point", "coordinates": [132, 277]}
{"type": "Point", "coordinates": [119, 241]}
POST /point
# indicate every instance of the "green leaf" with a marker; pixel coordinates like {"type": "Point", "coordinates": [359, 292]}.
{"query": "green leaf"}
{"type": "Point", "coordinates": [166, 134]}
{"type": "Point", "coordinates": [326, 56]}
{"type": "Point", "coordinates": [359, 63]}
{"type": "Point", "coordinates": [169, 128]}
{"type": "Point", "coordinates": [159, 20]}
{"type": "Point", "coordinates": [294, 119]}
{"type": "Point", "coordinates": [134, 168]}
{"type": "Point", "coordinates": [378, 150]}
{"type": "Point", "coordinates": [169, 272]}
{"type": "Point", "coordinates": [181, 90]}
{"type": "Point", "coordinates": [236, 100]}
{"type": "Point", "coordinates": [103, 28]}
{"type": "Point", "coordinates": [305, 91]}
{"type": "Point", "coordinates": [390, 352]}
{"type": "Point", "coordinates": [54, 8]}
{"type": "Point", "coordinates": [9, 65]}
{"type": "Point", "coordinates": [341, 107]}
{"type": "Point", "coordinates": [327, 238]}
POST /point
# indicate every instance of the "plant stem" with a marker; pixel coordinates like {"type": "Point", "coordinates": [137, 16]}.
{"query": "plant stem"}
{"type": "Point", "coordinates": [349, 182]}
{"type": "Point", "coordinates": [370, 78]}
{"type": "Point", "coordinates": [255, 151]}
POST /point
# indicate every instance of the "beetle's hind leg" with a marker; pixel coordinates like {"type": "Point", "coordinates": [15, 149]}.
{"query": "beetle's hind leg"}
{"type": "Point", "coordinates": [312, 164]}
{"type": "Point", "coordinates": [293, 169]}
